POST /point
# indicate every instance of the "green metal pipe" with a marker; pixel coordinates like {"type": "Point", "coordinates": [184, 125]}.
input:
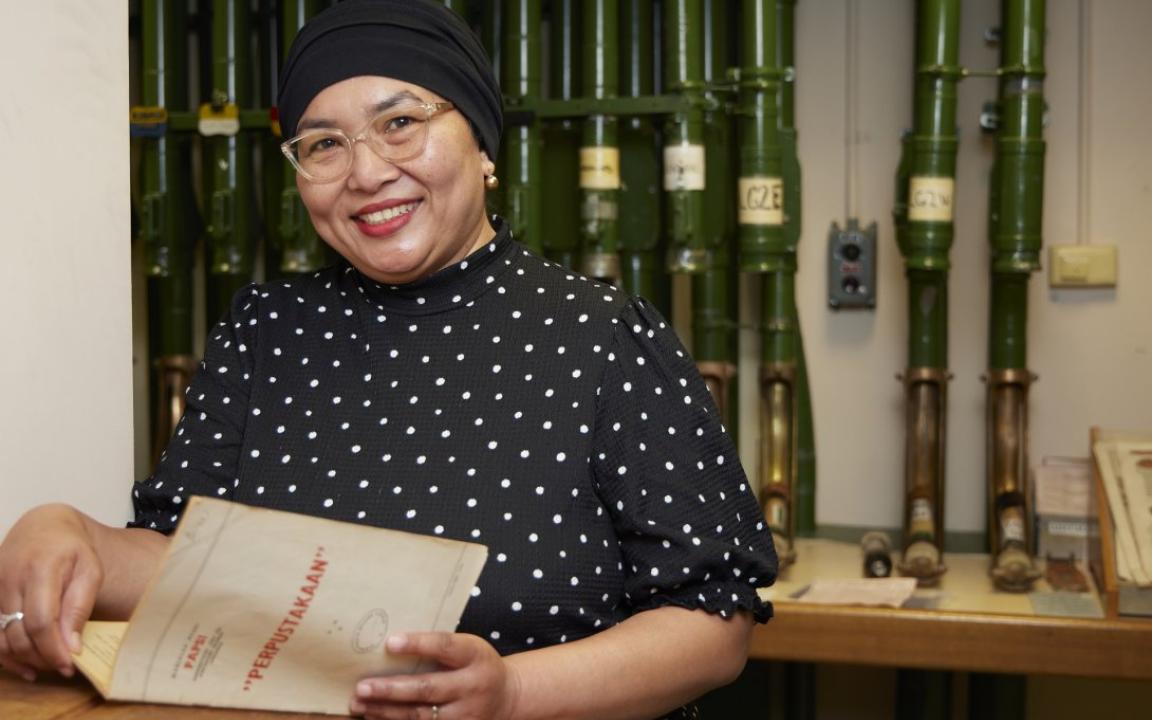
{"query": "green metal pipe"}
{"type": "Point", "coordinates": [1018, 179]}
{"type": "Point", "coordinates": [600, 150]}
{"type": "Point", "coordinates": [684, 154]}
{"type": "Point", "coordinates": [1008, 322]}
{"type": "Point", "coordinates": [229, 204]}
{"type": "Point", "coordinates": [804, 495]}
{"type": "Point", "coordinates": [767, 248]}
{"type": "Point", "coordinates": [163, 202]}
{"type": "Point", "coordinates": [561, 138]}
{"type": "Point", "coordinates": [521, 144]}
{"type": "Point", "coordinates": [641, 261]}
{"type": "Point", "coordinates": [763, 245]}
{"type": "Point", "coordinates": [1015, 210]}
{"type": "Point", "coordinates": [714, 288]}
{"type": "Point", "coordinates": [163, 217]}
{"type": "Point", "coordinates": [932, 165]}
{"type": "Point", "coordinates": [923, 218]}
{"type": "Point", "coordinates": [927, 318]}
{"type": "Point", "coordinates": [301, 249]}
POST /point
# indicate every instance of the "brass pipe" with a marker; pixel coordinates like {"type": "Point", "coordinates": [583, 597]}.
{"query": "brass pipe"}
{"type": "Point", "coordinates": [173, 373]}
{"type": "Point", "coordinates": [1009, 508]}
{"type": "Point", "coordinates": [777, 453]}
{"type": "Point", "coordinates": [926, 393]}
{"type": "Point", "coordinates": [718, 377]}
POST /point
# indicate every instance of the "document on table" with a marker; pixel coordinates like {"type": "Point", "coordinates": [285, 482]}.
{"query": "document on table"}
{"type": "Point", "coordinates": [1136, 476]}
{"type": "Point", "coordinates": [879, 592]}
{"type": "Point", "coordinates": [262, 609]}
{"type": "Point", "coordinates": [1130, 563]}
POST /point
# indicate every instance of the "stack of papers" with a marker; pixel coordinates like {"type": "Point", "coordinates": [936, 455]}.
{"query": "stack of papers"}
{"type": "Point", "coordinates": [1126, 471]}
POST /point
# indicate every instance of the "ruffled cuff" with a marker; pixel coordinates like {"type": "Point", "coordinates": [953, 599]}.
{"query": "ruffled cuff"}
{"type": "Point", "coordinates": [718, 598]}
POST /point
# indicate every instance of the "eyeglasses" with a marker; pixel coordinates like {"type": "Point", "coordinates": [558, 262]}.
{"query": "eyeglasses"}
{"type": "Point", "coordinates": [324, 155]}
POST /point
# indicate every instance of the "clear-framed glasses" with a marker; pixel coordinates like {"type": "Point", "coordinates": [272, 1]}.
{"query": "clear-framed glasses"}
{"type": "Point", "coordinates": [324, 155]}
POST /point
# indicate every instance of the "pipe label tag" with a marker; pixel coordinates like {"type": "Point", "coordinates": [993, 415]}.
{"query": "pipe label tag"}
{"type": "Point", "coordinates": [683, 167]}
{"type": "Point", "coordinates": [761, 201]}
{"type": "Point", "coordinates": [930, 199]}
{"type": "Point", "coordinates": [224, 120]}
{"type": "Point", "coordinates": [150, 121]}
{"type": "Point", "coordinates": [599, 168]}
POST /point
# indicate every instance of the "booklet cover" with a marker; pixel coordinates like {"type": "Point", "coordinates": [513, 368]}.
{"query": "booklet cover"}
{"type": "Point", "coordinates": [264, 609]}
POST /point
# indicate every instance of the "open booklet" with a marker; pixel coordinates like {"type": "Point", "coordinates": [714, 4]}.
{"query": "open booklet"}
{"type": "Point", "coordinates": [262, 609]}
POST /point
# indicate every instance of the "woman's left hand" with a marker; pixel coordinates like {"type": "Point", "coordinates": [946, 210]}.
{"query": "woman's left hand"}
{"type": "Point", "coordinates": [474, 682]}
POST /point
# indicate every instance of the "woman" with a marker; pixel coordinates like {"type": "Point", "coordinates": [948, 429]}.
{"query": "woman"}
{"type": "Point", "coordinates": [445, 381]}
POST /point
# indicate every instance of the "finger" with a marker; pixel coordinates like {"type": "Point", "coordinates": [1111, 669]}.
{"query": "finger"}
{"type": "Point", "coordinates": [41, 615]}
{"type": "Point", "coordinates": [453, 650]}
{"type": "Point", "coordinates": [9, 663]}
{"type": "Point", "coordinates": [78, 602]}
{"type": "Point", "coordinates": [20, 646]}
{"type": "Point", "coordinates": [399, 712]}
{"type": "Point", "coordinates": [429, 689]}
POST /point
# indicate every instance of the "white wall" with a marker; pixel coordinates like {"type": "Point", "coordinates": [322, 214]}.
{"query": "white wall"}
{"type": "Point", "coordinates": [65, 330]}
{"type": "Point", "coordinates": [1092, 349]}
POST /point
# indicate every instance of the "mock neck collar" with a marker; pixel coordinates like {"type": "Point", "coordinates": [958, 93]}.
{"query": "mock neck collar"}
{"type": "Point", "coordinates": [454, 286]}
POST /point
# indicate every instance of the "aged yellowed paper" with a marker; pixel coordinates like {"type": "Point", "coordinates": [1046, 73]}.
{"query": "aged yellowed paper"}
{"type": "Point", "coordinates": [256, 608]}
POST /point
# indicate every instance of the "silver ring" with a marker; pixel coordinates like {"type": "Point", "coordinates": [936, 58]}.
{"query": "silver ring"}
{"type": "Point", "coordinates": [7, 619]}
{"type": "Point", "coordinates": [435, 712]}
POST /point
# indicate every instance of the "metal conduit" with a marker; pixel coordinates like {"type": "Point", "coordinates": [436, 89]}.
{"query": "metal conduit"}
{"type": "Point", "coordinates": [639, 223]}
{"type": "Point", "coordinates": [714, 301]}
{"type": "Point", "coordinates": [521, 83]}
{"type": "Point", "coordinates": [1015, 211]}
{"type": "Point", "coordinates": [600, 152]}
{"type": "Point", "coordinates": [230, 203]}
{"type": "Point", "coordinates": [924, 230]}
{"type": "Point", "coordinates": [162, 203]}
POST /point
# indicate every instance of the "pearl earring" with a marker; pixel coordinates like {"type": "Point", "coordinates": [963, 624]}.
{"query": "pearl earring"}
{"type": "Point", "coordinates": [491, 182]}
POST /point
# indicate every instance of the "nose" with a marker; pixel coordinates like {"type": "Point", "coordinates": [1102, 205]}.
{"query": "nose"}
{"type": "Point", "coordinates": [369, 170]}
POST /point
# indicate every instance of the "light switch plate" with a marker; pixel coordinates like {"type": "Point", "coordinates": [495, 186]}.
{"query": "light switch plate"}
{"type": "Point", "coordinates": [1072, 266]}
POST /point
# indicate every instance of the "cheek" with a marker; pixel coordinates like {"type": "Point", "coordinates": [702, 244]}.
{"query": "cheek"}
{"type": "Point", "coordinates": [318, 200]}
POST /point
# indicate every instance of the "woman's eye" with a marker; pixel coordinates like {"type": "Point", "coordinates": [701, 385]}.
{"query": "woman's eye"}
{"type": "Point", "coordinates": [324, 143]}
{"type": "Point", "coordinates": [399, 122]}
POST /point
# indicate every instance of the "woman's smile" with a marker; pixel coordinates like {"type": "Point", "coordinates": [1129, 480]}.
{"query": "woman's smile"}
{"type": "Point", "coordinates": [385, 218]}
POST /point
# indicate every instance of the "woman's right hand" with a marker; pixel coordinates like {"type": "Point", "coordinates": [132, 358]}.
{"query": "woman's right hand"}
{"type": "Point", "coordinates": [50, 570]}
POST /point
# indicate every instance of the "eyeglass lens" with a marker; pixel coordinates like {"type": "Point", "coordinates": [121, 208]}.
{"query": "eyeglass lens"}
{"type": "Point", "coordinates": [398, 134]}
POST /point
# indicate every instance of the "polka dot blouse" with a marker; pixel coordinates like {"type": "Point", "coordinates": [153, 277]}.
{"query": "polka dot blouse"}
{"type": "Point", "coordinates": [504, 400]}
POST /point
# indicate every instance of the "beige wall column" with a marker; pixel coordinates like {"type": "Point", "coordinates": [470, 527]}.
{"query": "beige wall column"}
{"type": "Point", "coordinates": [65, 308]}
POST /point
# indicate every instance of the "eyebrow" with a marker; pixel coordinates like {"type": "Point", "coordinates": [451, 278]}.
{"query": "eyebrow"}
{"type": "Point", "coordinates": [369, 112]}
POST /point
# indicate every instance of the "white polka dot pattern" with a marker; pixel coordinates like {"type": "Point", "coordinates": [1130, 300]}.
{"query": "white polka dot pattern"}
{"type": "Point", "coordinates": [504, 400]}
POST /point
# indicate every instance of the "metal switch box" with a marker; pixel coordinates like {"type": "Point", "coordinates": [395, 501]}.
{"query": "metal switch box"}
{"type": "Point", "coordinates": [852, 266]}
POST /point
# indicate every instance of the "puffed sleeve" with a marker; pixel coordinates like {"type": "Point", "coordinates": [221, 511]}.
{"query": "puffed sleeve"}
{"type": "Point", "coordinates": [690, 528]}
{"type": "Point", "coordinates": [202, 458]}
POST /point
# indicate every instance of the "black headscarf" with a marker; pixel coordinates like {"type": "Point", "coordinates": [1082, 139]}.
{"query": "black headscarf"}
{"type": "Point", "coordinates": [417, 41]}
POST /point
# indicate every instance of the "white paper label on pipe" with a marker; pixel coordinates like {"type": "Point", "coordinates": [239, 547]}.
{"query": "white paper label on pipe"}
{"type": "Point", "coordinates": [761, 201]}
{"type": "Point", "coordinates": [599, 168]}
{"type": "Point", "coordinates": [683, 167]}
{"type": "Point", "coordinates": [930, 199]}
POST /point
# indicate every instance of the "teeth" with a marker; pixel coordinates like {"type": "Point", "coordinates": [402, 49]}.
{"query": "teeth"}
{"type": "Point", "coordinates": [381, 216]}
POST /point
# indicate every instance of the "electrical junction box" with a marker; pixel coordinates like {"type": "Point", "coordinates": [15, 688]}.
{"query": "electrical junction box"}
{"type": "Point", "coordinates": [1071, 266]}
{"type": "Point", "coordinates": [852, 266]}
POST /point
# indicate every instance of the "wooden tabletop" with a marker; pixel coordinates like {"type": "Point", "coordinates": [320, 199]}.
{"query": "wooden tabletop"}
{"type": "Point", "coordinates": [945, 640]}
{"type": "Point", "coordinates": [58, 699]}
{"type": "Point", "coordinates": [973, 628]}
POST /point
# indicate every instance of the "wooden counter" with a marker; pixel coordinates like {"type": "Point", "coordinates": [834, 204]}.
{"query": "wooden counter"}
{"type": "Point", "coordinates": [945, 640]}
{"type": "Point", "coordinates": [976, 629]}
{"type": "Point", "coordinates": [77, 700]}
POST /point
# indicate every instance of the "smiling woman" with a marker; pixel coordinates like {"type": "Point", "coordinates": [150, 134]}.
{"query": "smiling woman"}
{"type": "Point", "coordinates": [444, 380]}
{"type": "Point", "coordinates": [399, 211]}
